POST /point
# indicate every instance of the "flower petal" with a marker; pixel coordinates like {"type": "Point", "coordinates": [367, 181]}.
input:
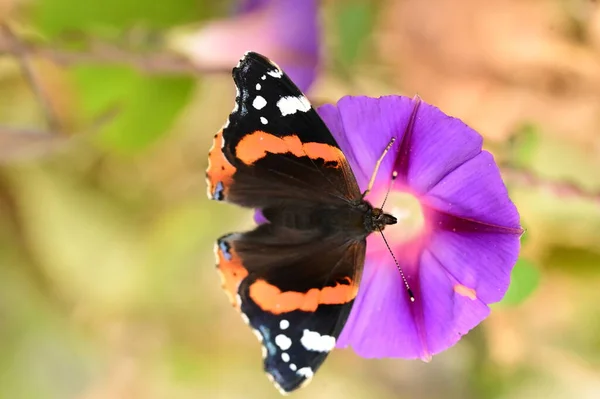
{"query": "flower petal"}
{"type": "Point", "coordinates": [363, 127]}
{"type": "Point", "coordinates": [245, 6]}
{"type": "Point", "coordinates": [380, 323]}
{"type": "Point", "coordinates": [457, 275]}
{"type": "Point", "coordinates": [259, 217]}
{"type": "Point", "coordinates": [437, 145]}
{"type": "Point", "coordinates": [475, 191]}
{"type": "Point", "coordinates": [448, 311]}
{"type": "Point", "coordinates": [480, 262]}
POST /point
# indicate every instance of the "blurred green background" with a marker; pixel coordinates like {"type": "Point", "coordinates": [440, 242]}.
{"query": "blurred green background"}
{"type": "Point", "coordinates": [107, 282]}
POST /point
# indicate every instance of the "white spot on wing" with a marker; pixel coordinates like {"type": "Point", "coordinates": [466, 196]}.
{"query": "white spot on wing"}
{"type": "Point", "coordinates": [258, 334]}
{"type": "Point", "coordinates": [263, 77]}
{"type": "Point", "coordinates": [259, 102]}
{"type": "Point", "coordinates": [264, 352]}
{"type": "Point", "coordinates": [264, 121]}
{"type": "Point", "coordinates": [258, 86]}
{"type": "Point", "coordinates": [293, 367]}
{"type": "Point", "coordinates": [283, 342]}
{"type": "Point", "coordinates": [284, 324]}
{"type": "Point", "coordinates": [245, 318]}
{"type": "Point", "coordinates": [305, 372]}
{"type": "Point", "coordinates": [285, 357]}
{"type": "Point", "coordinates": [276, 73]}
{"type": "Point", "coordinates": [290, 105]}
{"type": "Point", "coordinates": [313, 341]}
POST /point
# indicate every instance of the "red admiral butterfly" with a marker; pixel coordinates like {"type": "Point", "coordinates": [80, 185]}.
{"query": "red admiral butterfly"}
{"type": "Point", "coordinates": [294, 278]}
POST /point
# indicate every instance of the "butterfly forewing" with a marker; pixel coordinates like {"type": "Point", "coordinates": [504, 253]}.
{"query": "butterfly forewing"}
{"type": "Point", "coordinates": [273, 140]}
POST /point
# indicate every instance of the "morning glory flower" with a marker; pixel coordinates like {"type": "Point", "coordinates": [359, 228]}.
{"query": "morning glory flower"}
{"type": "Point", "coordinates": [286, 30]}
{"type": "Point", "coordinates": [458, 234]}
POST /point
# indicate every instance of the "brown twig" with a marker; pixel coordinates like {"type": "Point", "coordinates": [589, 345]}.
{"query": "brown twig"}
{"type": "Point", "coordinates": [162, 63]}
{"type": "Point", "coordinates": [22, 144]}
{"type": "Point", "coordinates": [566, 189]}
{"type": "Point", "coordinates": [29, 72]}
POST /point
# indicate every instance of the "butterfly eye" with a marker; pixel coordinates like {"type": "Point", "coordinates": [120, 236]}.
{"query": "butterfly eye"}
{"type": "Point", "coordinates": [377, 212]}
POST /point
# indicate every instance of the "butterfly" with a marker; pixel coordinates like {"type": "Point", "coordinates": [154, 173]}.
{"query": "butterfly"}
{"type": "Point", "coordinates": [294, 277]}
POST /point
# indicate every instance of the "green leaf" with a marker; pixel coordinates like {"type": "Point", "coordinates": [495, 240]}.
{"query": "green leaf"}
{"type": "Point", "coordinates": [524, 144]}
{"type": "Point", "coordinates": [354, 24]}
{"type": "Point", "coordinates": [57, 16]}
{"type": "Point", "coordinates": [147, 105]}
{"type": "Point", "coordinates": [525, 278]}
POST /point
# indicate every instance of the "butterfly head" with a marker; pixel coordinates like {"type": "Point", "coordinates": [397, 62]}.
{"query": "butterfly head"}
{"type": "Point", "coordinates": [379, 219]}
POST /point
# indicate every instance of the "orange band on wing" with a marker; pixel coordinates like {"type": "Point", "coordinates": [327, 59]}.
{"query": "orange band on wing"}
{"type": "Point", "coordinates": [256, 146]}
{"type": "Point", "coordinates": [271, 299]}
{"type": "Point", "coordinates": [219, 174]}
{"type": "Point", "coordinates": [231, 271]}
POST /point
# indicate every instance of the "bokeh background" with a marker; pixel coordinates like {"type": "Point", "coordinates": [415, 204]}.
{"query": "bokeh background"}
{"type": "Point", "coordinates": [107, 111]}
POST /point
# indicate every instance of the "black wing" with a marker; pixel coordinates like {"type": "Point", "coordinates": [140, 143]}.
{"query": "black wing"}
{"type": "Point", "coordinates": [295, 289]}
{"type": "Point", "coordinates": [275, 148]}
{"type": "Point", "coordinates": [295, 278]}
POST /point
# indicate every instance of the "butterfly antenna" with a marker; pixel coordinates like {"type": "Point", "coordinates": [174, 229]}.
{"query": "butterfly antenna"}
{"type": "Point", "coordinates": [394, 176]}
{"type": "Point", "coordinates": [410, 293]}
{"type": "Point", "coordinates": [377, 165]}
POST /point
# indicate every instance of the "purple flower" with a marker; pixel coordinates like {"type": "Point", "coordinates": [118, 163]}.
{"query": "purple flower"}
{"type": "Point", "coordinates": [284, 30]}
{"type": "Point", "coordinates": [458, 233]}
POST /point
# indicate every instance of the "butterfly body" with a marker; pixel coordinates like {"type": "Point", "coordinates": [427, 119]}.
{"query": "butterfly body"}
{"type": "Point", "coordinates": [354, 220]}
{"type": "Point", "coordinates": [294, 277]}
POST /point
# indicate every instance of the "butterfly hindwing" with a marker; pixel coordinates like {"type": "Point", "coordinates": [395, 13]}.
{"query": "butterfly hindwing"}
{"type": "Point", "coordinates": [295, 295]}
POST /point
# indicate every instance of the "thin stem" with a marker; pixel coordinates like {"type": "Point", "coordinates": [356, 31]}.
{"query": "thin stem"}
{"type": "Point", "coordinates": [30, 74]}
{"type": "Point", "coordinates": [559, 188]}
{"type": "Point", "coordinates": [159, 63]}
{"type": "Point", "coordinates": [20, 143]}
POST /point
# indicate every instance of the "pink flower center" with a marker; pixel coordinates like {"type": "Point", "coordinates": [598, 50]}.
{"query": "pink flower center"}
{"type": "Point", "coordinates": [411, 225]}
{"type": "Point", "coordinates": [407, 209]}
